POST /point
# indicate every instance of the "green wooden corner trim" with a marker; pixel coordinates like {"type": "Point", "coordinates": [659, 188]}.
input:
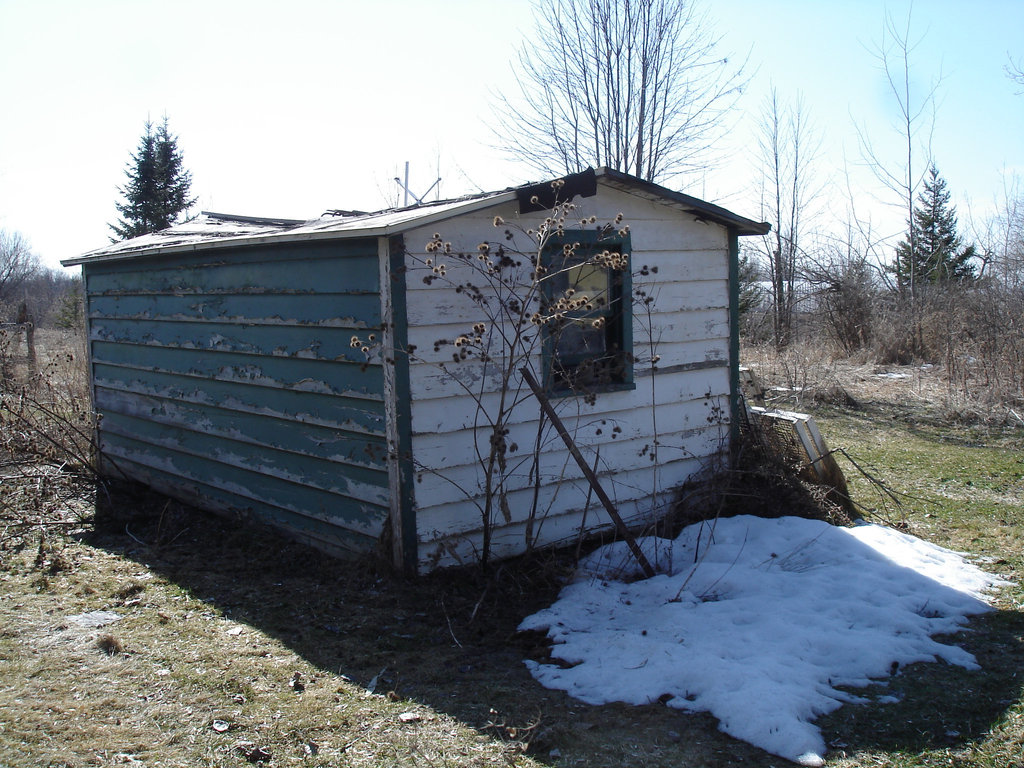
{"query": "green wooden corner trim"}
{"type": "Point", "coordinates": [734, 339]}
{"type": "Point", "coordinates": [403, 405]}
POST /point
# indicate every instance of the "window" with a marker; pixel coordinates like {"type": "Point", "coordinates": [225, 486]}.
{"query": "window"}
{"type": "Point", "coordinates": [588, 344]}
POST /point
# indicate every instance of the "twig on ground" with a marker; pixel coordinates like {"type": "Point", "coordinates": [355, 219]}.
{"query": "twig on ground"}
{"type": "Point", "coordinates": [448, 619]}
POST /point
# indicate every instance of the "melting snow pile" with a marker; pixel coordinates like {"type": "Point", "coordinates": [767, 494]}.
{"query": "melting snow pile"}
{"type": "Point", "coordinates": [758, 622]}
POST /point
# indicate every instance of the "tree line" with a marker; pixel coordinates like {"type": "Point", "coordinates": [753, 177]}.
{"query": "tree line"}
{"type": "Point", "coordinates": [643, 86]}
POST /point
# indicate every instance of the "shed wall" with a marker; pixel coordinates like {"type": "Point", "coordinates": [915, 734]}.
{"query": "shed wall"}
{"type": "Point", "coordinates": [228, 378]}
{"type": "Point", "coordinates": [683, 398]}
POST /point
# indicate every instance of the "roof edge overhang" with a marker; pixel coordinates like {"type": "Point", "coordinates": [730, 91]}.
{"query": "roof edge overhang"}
{"type": "Point", "coordinates": [701, 209]}
{"type": "Point", "coordinates": [294, 231]}
{"type": "Point", "coordinates": [286, 236]}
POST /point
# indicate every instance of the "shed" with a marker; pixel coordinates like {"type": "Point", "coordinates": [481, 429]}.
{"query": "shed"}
{"type": "Point", "coordinates": [300, 372]}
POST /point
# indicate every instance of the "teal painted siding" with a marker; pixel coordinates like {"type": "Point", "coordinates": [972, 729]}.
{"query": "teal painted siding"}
{"type": "Point", "coordinates": [228, 378]}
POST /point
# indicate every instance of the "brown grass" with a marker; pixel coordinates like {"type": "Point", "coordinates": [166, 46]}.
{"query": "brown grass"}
{"type": "Point", "coordinates": [219, 625]}
{"type": "Point", "coordinates": [235, 648]}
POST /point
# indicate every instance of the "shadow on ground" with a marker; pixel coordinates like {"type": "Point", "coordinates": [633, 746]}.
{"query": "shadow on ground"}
{"type": "Point", "coordinates": [449, 641]}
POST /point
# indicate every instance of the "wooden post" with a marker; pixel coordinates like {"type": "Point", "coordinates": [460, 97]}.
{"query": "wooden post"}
{"type": "Point", "coordinates": [26, 325]}
{"type": "Point", "coordinates": [620, 526]}
{"type": "Point", "coordinates": [30, 347]}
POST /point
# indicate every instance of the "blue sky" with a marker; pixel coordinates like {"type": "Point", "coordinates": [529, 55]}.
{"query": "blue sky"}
{"type": "Point", "coordinates": [288, 110]}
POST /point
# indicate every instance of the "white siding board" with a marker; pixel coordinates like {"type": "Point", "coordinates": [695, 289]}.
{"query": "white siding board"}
{"type": "Point", "coordinates": [430, 382]}
{"type": "Point", "coordinates": [449, 482]}
{"type": "Point", "coordinates": [688, 328]}
{"type": "Point", "coordinates": [680, 402]}
{"type": "Point", "coordinates": [692, 325]}
{"type": "Point", "coordinates": [554, 529]}
{"type": "Point", "coordinates": [676, 296]}
{"type": "Point", "coordinates": [676, 266]}
{"type": "Point", "coordinates": [444, 314]}
{"type": "Point", "coordinates": [439, 414]}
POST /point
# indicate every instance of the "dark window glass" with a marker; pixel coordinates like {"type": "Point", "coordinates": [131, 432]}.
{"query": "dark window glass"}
{"type": "Point", "coordinates": [586, 340]}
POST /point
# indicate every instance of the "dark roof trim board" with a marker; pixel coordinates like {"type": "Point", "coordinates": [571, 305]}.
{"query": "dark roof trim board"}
{"type": "Point", "coordinates": [701, 209]}
{"type": "Point", "coordinates": [215, 230]}
{"type": "Point", "coordinates": [544, 196]}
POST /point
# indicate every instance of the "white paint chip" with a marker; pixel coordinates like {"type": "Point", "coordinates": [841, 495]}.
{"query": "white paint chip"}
{"type": "Point", "coordinates": [94, 619]}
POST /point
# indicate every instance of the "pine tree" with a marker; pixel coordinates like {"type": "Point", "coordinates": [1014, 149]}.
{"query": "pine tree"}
{"type": "Point", "coordinates": [157, 192]}
{"type": "Point", "coordinates": [933, 252]}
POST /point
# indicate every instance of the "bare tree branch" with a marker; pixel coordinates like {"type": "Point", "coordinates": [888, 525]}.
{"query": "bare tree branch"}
{"type": "Point", "coordinates": [916, 118]}
{"type": "Point", "coordinates": [788, 147]}
{"type": "Point", "coordinates": [636, 85]}
{"type": "Point", "coordinates": [18, 263]}
{"type": "Point", "coordinates": [1015, 71]}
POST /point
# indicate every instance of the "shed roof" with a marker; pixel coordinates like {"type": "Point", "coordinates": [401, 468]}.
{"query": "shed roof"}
{"type": "Point", "coordinates": [216, 230]}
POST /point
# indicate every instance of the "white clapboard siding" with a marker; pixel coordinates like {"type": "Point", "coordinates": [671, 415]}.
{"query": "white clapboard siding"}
{"type": "Point", "coordinates": [687, 327]}
{"type": "Point", "coordinates": [551, 529]}
{"type": "Point", "coordinates": [448, 483]}
{"type": "Point", "coordinates": [438, 414]}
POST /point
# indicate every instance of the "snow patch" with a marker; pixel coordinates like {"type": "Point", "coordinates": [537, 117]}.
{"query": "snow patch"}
{"type": "Point", "coordinates": [759, 622]}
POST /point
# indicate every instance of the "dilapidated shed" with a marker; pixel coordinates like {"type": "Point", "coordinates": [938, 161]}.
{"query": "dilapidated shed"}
{"type": "Point", "coordinates": [335, 378]}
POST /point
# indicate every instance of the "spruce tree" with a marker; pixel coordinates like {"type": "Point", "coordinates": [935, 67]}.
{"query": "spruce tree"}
{"type": "Point", "coordinates": [157, 192]}
{"type": "Point", "coordinates": [933, 252]}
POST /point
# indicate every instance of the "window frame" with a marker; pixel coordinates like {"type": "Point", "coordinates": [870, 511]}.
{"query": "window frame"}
{"type": "Point", "coordinates": [619, 325]}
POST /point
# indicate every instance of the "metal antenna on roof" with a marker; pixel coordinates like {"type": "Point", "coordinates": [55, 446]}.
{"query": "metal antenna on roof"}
{"type": "Point", "coordinates": [409, 193]}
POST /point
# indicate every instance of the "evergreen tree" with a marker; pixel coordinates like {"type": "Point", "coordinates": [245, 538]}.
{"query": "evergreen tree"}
{"type": "Point", "coordinates": [157, 192]}
{"type": "Point", "coordinates": [933, 252]}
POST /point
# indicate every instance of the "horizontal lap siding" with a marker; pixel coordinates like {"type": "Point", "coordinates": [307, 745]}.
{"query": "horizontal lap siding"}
{"type": "Point", "coordinates": [688, 329]}
{"type": "Point", "coordinates": [229, 379]}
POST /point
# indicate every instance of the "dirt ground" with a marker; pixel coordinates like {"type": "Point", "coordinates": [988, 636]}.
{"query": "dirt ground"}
{"type": "Point", "coordinates": [233, 646]}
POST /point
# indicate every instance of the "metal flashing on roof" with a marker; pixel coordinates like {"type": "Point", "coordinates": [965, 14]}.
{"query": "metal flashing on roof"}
{"type": "Point", "coordinates": [274, 221]}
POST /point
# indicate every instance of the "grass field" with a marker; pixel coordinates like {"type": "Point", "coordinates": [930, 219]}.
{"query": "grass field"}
{"type": "Point", "coordinates": [234, 648]}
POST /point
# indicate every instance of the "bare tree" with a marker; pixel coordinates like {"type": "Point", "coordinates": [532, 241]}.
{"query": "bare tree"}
{"type": "Point", "coordinates": [788, 146]}
{"type": "Point", "coordinates": [635, 85]}
{"type": "Point", "coordinates": [842, 276]}
{"type": "Point", "coordinates": [1001, 238]}
{"type": "Point", "coordinates": [1015, 71]}
{"type": "Point", "coordinates": [18, 263]}
{"type": "Point", "coordinates": [903, 179]}
{"type": "Point", "coordinates": [916, 119]}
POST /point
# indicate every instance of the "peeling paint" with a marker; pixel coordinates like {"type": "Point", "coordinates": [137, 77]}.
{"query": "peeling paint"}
{"type": "Point", "coordinates": [238, 379]}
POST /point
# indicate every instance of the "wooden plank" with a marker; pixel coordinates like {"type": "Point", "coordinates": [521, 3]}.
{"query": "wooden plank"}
{"type": "Point", "coordinates": [259, 253]}
{"type": "Point", "coordinates": [359, 483]}
{"type": "Point", "coordinates": [435, 415]}
{"type": "Point", "coordinates": [430, 381]}
{"type": "Point", "coordinates": [320, 343]}
{"type": "Point", "coordinates": [300, 279]}
{"type": "Point", "coordinates": [327, 536]}
{"type": "Point", "coordinates": [445, 479]}
{"type": "Point", "coordinates": [557, 529]}
{"type": "Point", "coordinates": [681, 296]}
{"type": "Point", "coordinates": [288, 268]}
{"type": "Point", "coordinates": [247, 486]}
{"type": "Point", "coordinates": [607, 429]}
{"type": "Point", "coordinates": [397, 401]}
{"type": "Point", "coordinates": [267, 433]}
{"type": "Point", "coordinates": [338, 310]}
{"type": "Point", "coordinates": [352, 415]}
{"type": "Point", "coordinates": [458, 518]}
{"type": "Point", "coordinates": [694, 325]}
{"type": "Point", "coordinates": [323, 376]}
